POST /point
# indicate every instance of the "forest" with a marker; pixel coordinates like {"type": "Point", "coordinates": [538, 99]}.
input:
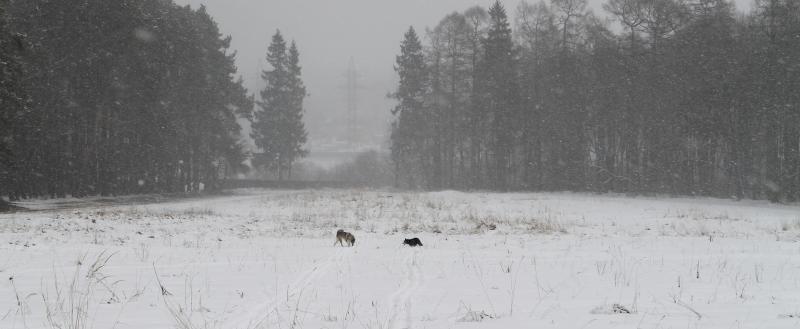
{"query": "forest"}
{"type": "Point", "coordinates": [115, 97]}
{"type": "Point", "coordinates": [679, 97]}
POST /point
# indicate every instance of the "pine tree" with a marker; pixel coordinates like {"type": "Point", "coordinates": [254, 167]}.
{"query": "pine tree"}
{"type": "Point", "coordinates": [278, 127]}
{"type": "Point", "coordinates": [409, 127]}
{"type": "Point", "coordinates": [222, 99]}
{"type": "Point", "coordinates": [498, 86]}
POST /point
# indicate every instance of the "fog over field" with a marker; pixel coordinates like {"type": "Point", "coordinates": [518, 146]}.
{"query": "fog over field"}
{"type": "Point", "coordinates": [329, 34]}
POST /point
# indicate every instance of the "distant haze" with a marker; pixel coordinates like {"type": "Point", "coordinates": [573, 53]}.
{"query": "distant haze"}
{"type": "Point", "coordinates": [328, 34]}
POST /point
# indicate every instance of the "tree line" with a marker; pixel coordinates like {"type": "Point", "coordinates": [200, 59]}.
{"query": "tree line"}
{"type": "Point", "coordinates": [682, 97]}
{"type": "Point", "coordinates": [117, 97]}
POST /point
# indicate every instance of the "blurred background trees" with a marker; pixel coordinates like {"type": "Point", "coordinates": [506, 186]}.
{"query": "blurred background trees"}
{"type": "Point", "coordinates": [672, 96]}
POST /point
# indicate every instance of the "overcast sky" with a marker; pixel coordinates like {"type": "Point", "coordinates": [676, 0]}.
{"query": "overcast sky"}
{"type": "Point", "coordinates": [328, 34]}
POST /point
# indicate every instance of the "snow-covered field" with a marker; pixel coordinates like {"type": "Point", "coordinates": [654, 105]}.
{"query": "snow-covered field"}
{"type": "Point", "coordinates": [265, 259]}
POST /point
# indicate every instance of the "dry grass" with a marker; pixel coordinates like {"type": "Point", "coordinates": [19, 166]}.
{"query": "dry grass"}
{"type": "Point", "coordinates": [70, 304]}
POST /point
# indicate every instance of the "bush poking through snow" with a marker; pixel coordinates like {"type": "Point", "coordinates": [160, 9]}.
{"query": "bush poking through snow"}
{"type": "Point", "coordinates": [475, 316]}
{"type": "Point", "coordinates": [619, 309]}
{"type": "Point", "coordinates": [611, 309]}
{"type": "Point", "coordinates": [483, 226]}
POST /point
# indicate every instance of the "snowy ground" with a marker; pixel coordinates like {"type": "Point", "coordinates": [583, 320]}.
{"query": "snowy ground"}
{"type": "Point", "coordinates": [264, 259]}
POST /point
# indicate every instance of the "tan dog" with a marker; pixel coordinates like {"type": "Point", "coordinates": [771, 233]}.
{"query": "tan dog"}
{"type": "Point", "coordinates": [341, 235]}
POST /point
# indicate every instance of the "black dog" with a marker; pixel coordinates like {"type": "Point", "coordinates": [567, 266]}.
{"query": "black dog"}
{"type": "Point", "coordinates": [413, 242]}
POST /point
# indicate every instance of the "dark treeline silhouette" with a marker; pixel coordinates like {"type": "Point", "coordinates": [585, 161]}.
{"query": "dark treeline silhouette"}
{"type": "Point", "coordinates": [113, 97]}
{"type": "Point", "coordinates": [689, 97]}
